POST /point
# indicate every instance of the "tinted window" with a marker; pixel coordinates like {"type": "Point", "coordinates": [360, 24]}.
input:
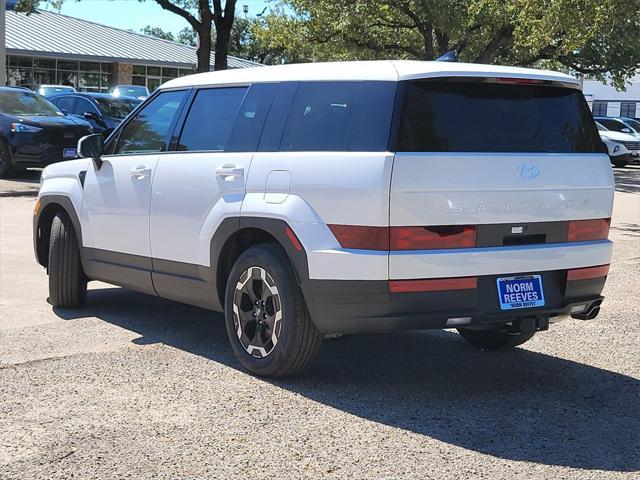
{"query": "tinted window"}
{"type": "Point", "coordinates": [211, 118]}
{"type": "Point", "coordinates": [23, 102]}
{"type": "Point", "coordinates": [250, 119]}
{"type": "Point", "coordinates": [463, 116]}
{"type": "Point", "coordinates": [373, 118]}
{"type": "Point", "coordinates": [615, 125]}
{"type": "Point", "coordinates": [273, 127]}
{"type": "Point", "coordinates": [321, 117]}
{"type": "Point", "coordinates": [149, 129]}
{"type": "Point", "coordinates": [68, 104]}
{"type": "Point", "coordinates": [117, 107]}
{"type": "Point", "coordinates": [83, 106]}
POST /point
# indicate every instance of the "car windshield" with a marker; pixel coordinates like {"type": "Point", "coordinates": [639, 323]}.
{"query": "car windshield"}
{"type": "Point", "coordinates": [633, 124]}
{"type": "Point", "coordinates": [117, 107]}
{"type": "Point", "coordinates": [56, 89]}
{"type": "Point", "coordinates": [26, 103]}
{"type": "Point", "coordinates": [131, 91]}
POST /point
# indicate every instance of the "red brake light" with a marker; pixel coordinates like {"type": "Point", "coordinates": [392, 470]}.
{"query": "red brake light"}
{"type": "Point", "coordinates": [584, 230]}
{"type": "Point", "coordinates": [425, 238]}
{"type": "Point", "coordinates": [589, 272]}
{"type": "Point", "coordinates": [361, 237]}
{"type": "Point", "coordinates": [433, 285]}
{"type": "Point", "coordinates": [519, 81]}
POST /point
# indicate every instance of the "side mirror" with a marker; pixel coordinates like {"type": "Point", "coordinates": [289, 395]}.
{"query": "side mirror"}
{"type": "Point", "coordinates": [625, 130]}
{"type": "Point", "coordinates": [92, 146]}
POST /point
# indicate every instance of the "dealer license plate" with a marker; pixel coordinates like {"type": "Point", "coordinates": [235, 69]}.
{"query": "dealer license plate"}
{"type": "Point", "coordinates": [68, 153]}
{"type": "Point", "coordinates": [520, 292]}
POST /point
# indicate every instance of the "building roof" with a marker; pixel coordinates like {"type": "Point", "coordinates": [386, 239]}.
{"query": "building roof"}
{"type": "Point", "coordinates": [389, 70]}
{"type": "Point", "coordinates": [51, 34]}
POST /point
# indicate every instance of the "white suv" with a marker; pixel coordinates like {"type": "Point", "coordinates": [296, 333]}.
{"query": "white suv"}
{"type": "Point", "coordinates": [307, 200]}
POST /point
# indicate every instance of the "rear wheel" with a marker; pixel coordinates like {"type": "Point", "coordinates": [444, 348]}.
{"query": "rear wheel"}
{"type": "Point", "coordinates": [67, 282]}
{"type": "Point", "coordinates": [502, 339]}
{"type": "Point", "coordinates": [267, 321]}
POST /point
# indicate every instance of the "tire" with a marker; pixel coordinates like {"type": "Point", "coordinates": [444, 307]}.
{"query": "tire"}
{"type": "Point", "coordinates": [6, 169]}
{"type": "Point", "coordinates": [499, 339]}
{"type": "Point", "coordinates": [67, 282]}
{"type": "Point", "coordinates": [620, 163]}
{"type": "Point", "coordinates": [264, 274]}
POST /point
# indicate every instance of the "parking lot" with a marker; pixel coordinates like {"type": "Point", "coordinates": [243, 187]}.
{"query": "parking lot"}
{"type": "Point", "coordinates": [133, 386]}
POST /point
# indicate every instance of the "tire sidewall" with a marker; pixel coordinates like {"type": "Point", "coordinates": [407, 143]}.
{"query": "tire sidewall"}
{"type": "Point", "coordinates": [277, 265]}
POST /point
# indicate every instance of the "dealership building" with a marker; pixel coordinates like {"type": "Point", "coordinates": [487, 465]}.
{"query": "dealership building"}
{"type": "Point", "coordinates": [49, 48]}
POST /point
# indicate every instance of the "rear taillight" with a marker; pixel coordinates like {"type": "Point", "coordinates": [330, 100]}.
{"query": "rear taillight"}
{"type": "Point", "coordinates": [584, 230]}
{"type": "Point", "coordinates": [519, 81]}
{"type": "Point", "coordinates": [426, 238]}
{"type": "Point", "coordinates": [586, 273]}
{"type": "Point", "coordinates": [433, 285]}
{"type": "Point", "coordinates": [361, 237]}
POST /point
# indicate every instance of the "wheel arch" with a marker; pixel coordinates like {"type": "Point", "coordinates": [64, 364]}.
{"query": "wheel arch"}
{"type": "Point", "coordinates": [236, 235]}
{"type": "Point", "coordinates": [46, 209]}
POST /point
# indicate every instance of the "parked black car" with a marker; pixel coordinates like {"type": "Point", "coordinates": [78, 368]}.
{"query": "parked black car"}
{"type": "Point", "coordinates": [102, 110]}
{"type": "Point", "coordinates": [34, 132]}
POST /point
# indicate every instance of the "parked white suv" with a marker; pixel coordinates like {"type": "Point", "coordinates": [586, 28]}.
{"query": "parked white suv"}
{"type": "Point", "coordinates": [307, 200]}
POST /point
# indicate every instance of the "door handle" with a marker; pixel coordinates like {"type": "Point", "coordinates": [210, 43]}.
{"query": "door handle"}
{"type": "Point", "coordinates": [140, 171]}
{"type": "Point", "coordinates": [229, 171]}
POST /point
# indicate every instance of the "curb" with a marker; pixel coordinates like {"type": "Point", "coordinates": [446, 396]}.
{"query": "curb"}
{"type": "Point", "coordinates": [19, 193]}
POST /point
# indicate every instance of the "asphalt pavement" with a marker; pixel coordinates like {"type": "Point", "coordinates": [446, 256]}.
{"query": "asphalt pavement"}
{"type": "Point", "coordinates": [133, 386]}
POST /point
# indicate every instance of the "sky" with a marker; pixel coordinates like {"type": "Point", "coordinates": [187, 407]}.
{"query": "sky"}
{"type": "Point", "coordinates": [134, 15]}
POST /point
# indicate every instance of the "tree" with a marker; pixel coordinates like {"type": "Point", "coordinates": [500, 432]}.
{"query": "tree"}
{"type": "Point", "coordinates": [157, 32]}
{"type": "Point", "coordinates": [220, 17]}
{"type": "Point", "coordinates": [594, 37]}
{"type": "Point", "coordinates": [200, 16]}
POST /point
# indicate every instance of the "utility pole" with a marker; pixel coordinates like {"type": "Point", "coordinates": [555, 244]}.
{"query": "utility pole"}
{"type": "Point", "coordinates": [3, 43]}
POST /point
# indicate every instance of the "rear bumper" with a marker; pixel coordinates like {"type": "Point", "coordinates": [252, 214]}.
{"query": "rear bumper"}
{"type": "Point", "coordinates": [355, 306]}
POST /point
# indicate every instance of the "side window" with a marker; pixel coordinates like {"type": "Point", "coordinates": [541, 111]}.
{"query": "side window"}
{"type": "Point", "coordinates": [373, 118]}
{"type": "Point", "coordinates": [210, 119]}
{"type": "Point", "coordinates": [83, 106]}
{"type": "Point", "coordinates": [251, 117]}
{"type": "Point", "coordinates": [321, 117]}
{"type": "Point", "coordinates": [148, 131]}
{"type": "Point", "coordinates": [67, 104]}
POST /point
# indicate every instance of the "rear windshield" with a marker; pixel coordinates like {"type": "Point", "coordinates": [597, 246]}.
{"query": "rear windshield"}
{"type": "Point", "coordinates": [470, 116]}
{"type": "Point", "coordinates": [117, 107]}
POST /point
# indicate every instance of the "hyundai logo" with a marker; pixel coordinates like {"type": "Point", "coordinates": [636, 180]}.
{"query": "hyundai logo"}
{"type": "Point", "coordinates": [69, 135]}
{"type": "Point", "coordinates": [528, 170]}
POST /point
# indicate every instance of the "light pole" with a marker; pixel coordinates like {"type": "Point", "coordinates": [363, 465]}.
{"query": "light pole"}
{"type": "Point", "coordinates": [245, 10]}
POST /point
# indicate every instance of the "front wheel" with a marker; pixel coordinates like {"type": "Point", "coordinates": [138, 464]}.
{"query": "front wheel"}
{"type": "Point", "coordinates": [503, 339]}
{"type": "Point", "coordinates": [267, 320]}
{"type": "Point", "coordinates": [67, 282]}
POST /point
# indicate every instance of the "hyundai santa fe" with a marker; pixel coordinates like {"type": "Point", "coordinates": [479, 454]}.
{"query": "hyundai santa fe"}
{"type": "Point", "coordinates": [309, 200]}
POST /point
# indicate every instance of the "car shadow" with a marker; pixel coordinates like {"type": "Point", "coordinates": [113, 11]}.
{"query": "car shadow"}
{"type": "Point", "coordinates": [627, 179]}
{"type": "Point", "coordinates": [518, 405]}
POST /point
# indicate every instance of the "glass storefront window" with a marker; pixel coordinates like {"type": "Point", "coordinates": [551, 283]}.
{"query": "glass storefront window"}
{"type": "Point", "coordinates": [139, 80]}
{"type": "Point", "coordinates": [90, 66]}
{"type": "Point", "coordinates": [44, 77]}
{"type": "Point", "coordinates": [68, 78]}
{"type": "Point", "coordinates": [153, 71]}
{"type": "Point", "coordinates": [169, 72]}
{"type": "Point", "coordinates": [20, 61]}
{"type": "Point", "coordinates": [67, 65]}
{"type": "Point", "coordinates": [139, 70]}
{"type": "Point", "coordinates": [49, 63]}
{"type": "Point", "coordinates": [20, 77]}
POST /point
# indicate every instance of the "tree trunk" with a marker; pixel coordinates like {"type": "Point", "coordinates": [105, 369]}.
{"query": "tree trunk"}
{"type": "Point", "coordinates": [223, 36]}
{"type": "Point", "coordinates": [203, 51]}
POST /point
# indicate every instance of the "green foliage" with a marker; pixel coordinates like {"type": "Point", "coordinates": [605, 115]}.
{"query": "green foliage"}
{"type": "Point", "coordinates": [596, 37]}
{"type": "Point", "coordinates": [157, 32]}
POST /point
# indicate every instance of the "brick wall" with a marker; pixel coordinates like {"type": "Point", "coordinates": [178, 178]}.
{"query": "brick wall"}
{"type": "Point", "coordinates": [123, 73]}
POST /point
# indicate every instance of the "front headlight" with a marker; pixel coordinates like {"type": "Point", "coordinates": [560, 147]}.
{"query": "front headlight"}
{"type": "Point", "coordinates": [22, 128]}
{"type": "Point", "coordinates": [616, 149]}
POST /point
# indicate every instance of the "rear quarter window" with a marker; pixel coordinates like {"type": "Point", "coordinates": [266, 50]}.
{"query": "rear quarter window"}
{"type": "Point", "coordinates": [472, 116]}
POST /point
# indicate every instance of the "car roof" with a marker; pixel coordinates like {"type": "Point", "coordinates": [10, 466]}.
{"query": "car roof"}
{"type": "Point", "coordinates": [10, 88]}
{"type": "Point", "coordinates": [384, 70]}
{"type": "Point", "coordinates": [94, 95]}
